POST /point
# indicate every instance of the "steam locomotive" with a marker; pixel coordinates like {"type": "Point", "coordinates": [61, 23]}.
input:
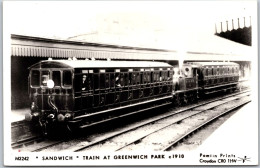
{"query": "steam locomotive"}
{"type": "Point", "coordinates": [81, 93]}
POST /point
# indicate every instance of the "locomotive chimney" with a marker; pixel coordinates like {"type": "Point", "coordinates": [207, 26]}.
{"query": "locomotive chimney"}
{"type": "Point", "coordinates": [221, 26]}
{"type": "Point", "coordinates": [232, 24]}
{"type": "Point", "coordinates": [238, 22]}
{"type": "Point", "coordinates": [244, 22]}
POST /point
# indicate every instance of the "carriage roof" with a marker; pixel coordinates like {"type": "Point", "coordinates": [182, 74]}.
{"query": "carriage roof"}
{"type": "Point", "coordinates": [213, 63]}
{"type": "Point", "coordinates": [98, 64]}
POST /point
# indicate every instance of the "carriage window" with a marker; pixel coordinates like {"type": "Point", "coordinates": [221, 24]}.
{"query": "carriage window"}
{"type": "Point", "coordinates": [102, 81]}
{"type": "Point", "coordinates": [67, 78]}
{"type": "Point", "coordinates": [137, 78]}
{"type": "Point", "coordinates": [133, 78]}
{"type": "Point", "coordinates": [206, 72]}
{"type": "Point", "coordinates": [160, 76]}
{"type": "Point", "coordinates": [35, 78]}
{"type": "Point", "coordinates": [170, 75]}
{"type": "Point", "coordinates": [56, 77]}
{"type": "Point", "coordinates": [84, 82]}
{"type": "Point", "coordinates": [89, 81]}
{"type": "Point", "coordinates": [166, 75]}
{"type": "Point", "coordinates": [107, 80]}
{"type": "Point", "coordinates": [112, 80]}
{"type": "Point", "coordinates": [96, 83]}
{"type": "Point", "coordinates": [152, 79]}
{"type": "Point", "coordinates": [77, 83]}
{"type": "Point", "coordinates": [214, 71]}
{"type": "Point", "coordinates": [217, 71]}
{"type": "Point", "coordinates": [233, 70]}
{"type": "Point", "coordinates": [119, 80]}
{"type": "Point", "coordinates": [148, 77]}
{"type": "Point", "coordinates": [145, 77]}
{"type": "Point", "coordinates": [157, 77]}
{"type": "Point", "coordinates": [45, 77]}
{"type": "Point", "coordinates": [130, 78]}
{"type": "Point", "coordinates": [163, 76]}
{"type": "Point", "coordinates": [141, 78]}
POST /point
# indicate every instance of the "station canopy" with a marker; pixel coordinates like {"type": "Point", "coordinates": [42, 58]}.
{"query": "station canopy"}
{"type": "Point", "coordinates": [198, 48]}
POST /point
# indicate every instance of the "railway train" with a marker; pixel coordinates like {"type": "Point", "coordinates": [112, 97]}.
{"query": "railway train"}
{"type": "Point", "coordinates": [80, 93]}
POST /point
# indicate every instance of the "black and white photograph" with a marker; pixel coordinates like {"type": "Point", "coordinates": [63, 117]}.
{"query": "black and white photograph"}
{"type": "Point", "coordinates": [130, 83]}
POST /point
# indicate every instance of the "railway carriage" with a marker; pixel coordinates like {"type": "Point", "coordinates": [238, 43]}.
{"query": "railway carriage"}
{"type": "Point", "coordinates": [217, 76]}
{"type": "Point", "coordinates": [77, 91]}
{"type": "Point", "coordinates": [84, 93]}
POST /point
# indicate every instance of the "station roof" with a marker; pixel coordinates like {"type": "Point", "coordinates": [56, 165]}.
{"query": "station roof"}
{"type": "Point", "coordinates": [99, 63]}
{"type": "Point", "coordinates": [204, 48]}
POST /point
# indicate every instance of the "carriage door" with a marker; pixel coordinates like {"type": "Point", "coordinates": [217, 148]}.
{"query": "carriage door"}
{"type": "Point", "coordinates": [161, 77]}
{"type": "Point", "coordinates": [169, 80]}
{"type": "Point", "coordinates": [136, 84]}
{"type": "Point", "coordinates": [104, 84]}
{"type": "Point", "coordinates": [117, 85]}
{"type": "Point", "coordinates": [146, 82]}
{"type": "Point", "coordinates": [110, 93]}
{"type": "Point", "coordinates": [200, 76]}
{"type": "Point", "coordinates": [87, 89]}
{"type": "Point", "coordinates": [130, 84]}
{"type": "Point", "coordinates": [96, 88]}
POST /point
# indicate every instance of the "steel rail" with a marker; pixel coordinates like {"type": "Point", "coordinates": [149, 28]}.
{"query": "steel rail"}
{"type": "Point", "coordinates": [180, 120]}
{"type": "Point", "coordinates": [149, 122]}
{"type": "Point", "coordinates": [202, 125]}
{"type": "Point", "coordinates": [26, 141]}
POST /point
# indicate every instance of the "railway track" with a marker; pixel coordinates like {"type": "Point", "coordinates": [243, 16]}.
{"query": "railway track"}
{"type": "Point", "coordinates": [48, 144]}
{"type": "Point", "coordinates": [122, 140]}
{"type": "Point", "coordinates": [22, 134]}
{"type": "Point", "coordinates": [200, 126]}
{"type": "Point", "coordinates": [26, 141]}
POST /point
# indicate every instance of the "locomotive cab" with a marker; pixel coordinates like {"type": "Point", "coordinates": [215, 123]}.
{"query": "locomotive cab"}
{"type": "Point", "coordinates": [50, 91]}
{"type": "Point", "coordinates": [185, 78]}
{"type": "Point", "coordinates": [185, 84]}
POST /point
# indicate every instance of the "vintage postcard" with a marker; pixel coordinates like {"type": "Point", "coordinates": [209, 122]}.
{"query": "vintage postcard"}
{"type": "Point", "coordinates": [110, 83]}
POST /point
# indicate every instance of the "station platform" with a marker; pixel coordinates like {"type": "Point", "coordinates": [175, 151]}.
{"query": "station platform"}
{"type": "Point", "coordinates": [19, 114]}
{"type": "Point", "coordinates": [238, 135]}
